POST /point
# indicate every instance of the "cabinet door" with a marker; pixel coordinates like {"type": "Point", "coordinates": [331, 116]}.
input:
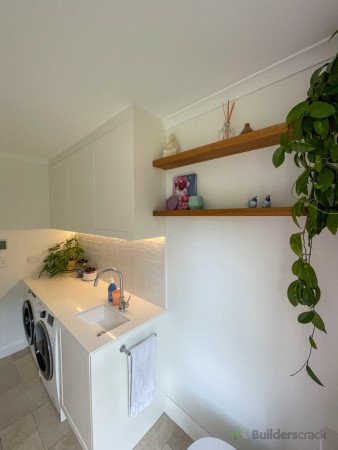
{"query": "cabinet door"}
{"type": "Point", "coordinates": [81, 195]}
{"type": "Point", "coordinates": [75, 395]}
{"type": "Point", "coordinates": [59, 200]}
{"type": "Point", "coordinates": [114, 182]}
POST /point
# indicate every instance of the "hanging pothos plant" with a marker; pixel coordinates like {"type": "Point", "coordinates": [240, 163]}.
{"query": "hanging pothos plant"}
{"type": "Point", "coordinates": [312, 138]}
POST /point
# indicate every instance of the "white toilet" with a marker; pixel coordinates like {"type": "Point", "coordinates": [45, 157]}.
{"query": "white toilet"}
{"type": "Point", "coordinates": [210, 443]}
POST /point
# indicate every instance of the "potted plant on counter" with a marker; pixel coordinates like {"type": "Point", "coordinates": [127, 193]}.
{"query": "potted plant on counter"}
{"type": "Point", "coordinates": [62, 257]}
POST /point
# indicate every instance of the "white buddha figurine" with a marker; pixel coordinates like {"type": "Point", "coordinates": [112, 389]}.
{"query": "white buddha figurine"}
{"type": "Point", "coordinates": [172, 147]}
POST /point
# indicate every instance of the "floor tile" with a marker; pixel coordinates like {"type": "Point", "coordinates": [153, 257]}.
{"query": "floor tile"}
{"type": "Point", "coordinates": [9, 376]}
{"type": "Point", "coordinates": [150, 442]}
{"type": "Point", "coordinates": [33, 442]}
{"type": "Point", "coordinates": [68, 442]}
{"type": "Point", "coordinates": [179, 440]}
{"type": "Point", "coordinates": [158, 434]}
{"type": "Point", "coordinates": [21, 353]}
{"type": "Point", "coordinates": [48, 423]}
{"type": "Point", "coordinates": [166, 447]}
{"type": "Point", "coordinates": [20, 400]}
{"type": "Point", "coordinates": [26, 367]}
{"type": "Point", "coordinates": [5, 361]}
{"type": "Point", "coordinates": [17, 432]}
{"type": "Point", "coordinates": [164, 427]}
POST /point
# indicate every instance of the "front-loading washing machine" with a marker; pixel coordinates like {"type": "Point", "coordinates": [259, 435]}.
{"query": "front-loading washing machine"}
{"type": "Point", "coordinates": [29, 317]}
{"type": "Point", "coordinates": [46, 348]}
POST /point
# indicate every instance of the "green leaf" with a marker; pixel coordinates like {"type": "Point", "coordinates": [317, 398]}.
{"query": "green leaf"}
{"type": "Point", "coordinates": [278, 157]}
{"type": "Point", "coordinates": [296, 244]}
{"type": "Point", "coordinates": [284, 139]}
{"type": "Point", "coordinates": [297, 267]}
{"type": "Point", "coordinates": [312, 342]}
{"type": "Point", "coordinates": [334, 153]}
{"type": "Point", "coordinates": [296, 160]}
{"type": "Point", "coordinates": [308, 296]}
{"type": "Point", "coordinates": [296, 112]}
{"type": "Point", "coordinates": [292, 293]}
{"type": "Point", "coordinates": [306, 317]}
{"type": "Point", "coordinates": [321, 127]}
{"type": "Point", "coordinates": [315, 76]}
{"type": "Point", "coordinates": [297, 128]}
{"type": "Point", "coordinates": [298, 146]}
{"type": "Point", "coordinates": [326, 198]}
{"type": "Point", "coordinates": [299, 293]}
{"type": "Point", "coordinates": [313, 376]}
{"type": "Point", "coordinates": [320, 110]}
{"type": "Point", "coordinates": [318, 322]}
{"type": "Point", "coordinates": [318, 163]}
{"type": "Point", "coordinates": [332, 219]}
{"type": "Point", "coordinates": [297, 209]}
{"type": "Point", "coordinates": [302, 182]}
{"type": "Point", "coordinates": [312, 212]}
{"type": "Point", "coordinates": [332, 90]}
{"type": "Point", "coordinates": [317, 295]}
{"type": "Point", "coordinates": [309, 276]}
{"type": "Point", "coordinates": [325, 178]}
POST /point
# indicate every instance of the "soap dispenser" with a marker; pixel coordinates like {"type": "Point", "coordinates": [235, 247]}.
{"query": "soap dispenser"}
{"type": "Point", "coordinates": [111, 289]}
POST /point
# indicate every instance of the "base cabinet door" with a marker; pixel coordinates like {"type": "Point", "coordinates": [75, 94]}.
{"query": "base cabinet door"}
{"type": "Point", "coordinates": [75, 399]}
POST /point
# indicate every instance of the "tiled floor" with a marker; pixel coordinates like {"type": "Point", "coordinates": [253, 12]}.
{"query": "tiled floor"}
{"type": "Point", "coordinates": [29, 421]}
{"type": "Point", "coordinates": [165, 435]}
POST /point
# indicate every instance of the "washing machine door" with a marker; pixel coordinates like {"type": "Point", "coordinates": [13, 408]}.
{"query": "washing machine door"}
{"type": "Point", "coordinates": [28, 321]}
{"type": "Point", "coordinates": [43, 350]}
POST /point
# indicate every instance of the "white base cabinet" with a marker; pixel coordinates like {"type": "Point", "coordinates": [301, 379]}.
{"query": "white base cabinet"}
{"type": "Point", "coordinates": [106, 185]}
{"type": "Point", "coordinates": [94, 391]}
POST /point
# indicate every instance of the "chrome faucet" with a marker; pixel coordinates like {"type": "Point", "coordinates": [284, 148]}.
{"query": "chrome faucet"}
{"type": "Point", "coordinates": [123, 304]}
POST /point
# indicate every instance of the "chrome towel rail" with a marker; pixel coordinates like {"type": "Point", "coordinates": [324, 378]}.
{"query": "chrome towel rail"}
{"type": "Point", "coordinates": [123, 348]}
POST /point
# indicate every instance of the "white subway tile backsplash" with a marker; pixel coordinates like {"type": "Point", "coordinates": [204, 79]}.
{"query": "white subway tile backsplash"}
{"type": "Point", "coordinates": [141, 262]}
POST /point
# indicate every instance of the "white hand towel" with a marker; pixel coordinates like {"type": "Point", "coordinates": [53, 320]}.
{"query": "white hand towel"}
{"type": "Point", "coordinates": [141, 369]}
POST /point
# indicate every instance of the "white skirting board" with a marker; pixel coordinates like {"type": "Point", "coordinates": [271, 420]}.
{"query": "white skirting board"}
{"type": "Point", "coordinates": [13, 347]}
{"type": "Point", "coordinates": [184, 421]}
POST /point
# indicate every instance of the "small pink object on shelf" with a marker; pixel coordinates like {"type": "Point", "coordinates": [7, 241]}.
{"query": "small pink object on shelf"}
{"type": "Point", "coordinates": [116, 297]}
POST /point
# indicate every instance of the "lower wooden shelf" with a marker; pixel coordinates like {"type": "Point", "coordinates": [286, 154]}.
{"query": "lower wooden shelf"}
{"type": "Point", "coordinates": [278, 211]}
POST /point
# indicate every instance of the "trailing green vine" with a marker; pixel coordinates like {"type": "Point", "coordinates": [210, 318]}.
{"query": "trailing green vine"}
{"type": "Point", "coordinates": [312, 138]}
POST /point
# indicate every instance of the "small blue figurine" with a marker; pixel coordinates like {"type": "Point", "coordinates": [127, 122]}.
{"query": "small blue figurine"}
{"type": "Point", "coordinates": [253, 202]}
{"type": "Point", "coordinates": [266, 202]}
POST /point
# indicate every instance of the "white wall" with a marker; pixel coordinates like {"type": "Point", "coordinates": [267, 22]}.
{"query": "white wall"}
{"type": "Point", "coordinates": [21, 244]}
{"type": "Point", "coordinates": [234, 338]}
{"type": "Point", "coordinates": [24, 193]}
{"type": "Point", "coordinates": [24, 200]}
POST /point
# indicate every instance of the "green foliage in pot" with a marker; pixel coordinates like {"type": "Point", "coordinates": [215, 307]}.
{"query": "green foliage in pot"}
{"type": "Point", "coordinates": [312, 139]}
{"type": "Point", "coordinates": [61, 255]}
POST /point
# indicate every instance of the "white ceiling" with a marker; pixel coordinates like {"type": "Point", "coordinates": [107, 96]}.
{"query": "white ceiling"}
{"type": "Point", "coordinates": [67, 66]}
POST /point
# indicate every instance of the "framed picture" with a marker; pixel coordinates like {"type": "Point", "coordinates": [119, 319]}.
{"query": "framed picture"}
{"type": "Point", "coordinates": [183, 187]}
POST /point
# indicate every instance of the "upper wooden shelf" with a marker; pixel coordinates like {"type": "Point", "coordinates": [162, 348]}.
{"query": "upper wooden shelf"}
{"type": "Point", "coordinates": [276, 211]}
{"type": "Point", "coordinates": [243, 143]}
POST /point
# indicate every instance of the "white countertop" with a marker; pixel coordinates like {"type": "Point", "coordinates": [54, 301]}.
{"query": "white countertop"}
{"type": "Point", "coordinates": [65, 296]}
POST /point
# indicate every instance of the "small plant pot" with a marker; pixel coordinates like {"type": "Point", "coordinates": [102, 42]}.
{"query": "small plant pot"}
{"type": "Point", "coordinates": [71, 267]}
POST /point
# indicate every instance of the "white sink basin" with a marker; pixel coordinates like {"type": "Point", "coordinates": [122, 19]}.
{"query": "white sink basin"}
{"type": "Point", "coordinates": [102, 319]}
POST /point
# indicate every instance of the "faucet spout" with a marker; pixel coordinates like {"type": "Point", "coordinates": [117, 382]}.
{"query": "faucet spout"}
{"type": "Point", "coordinates": [123, 304]}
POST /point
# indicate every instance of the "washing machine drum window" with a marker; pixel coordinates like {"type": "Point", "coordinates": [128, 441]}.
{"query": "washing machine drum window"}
{"type": "Point", "coordinates": [28, 321]}
{"type": "Point", "coordinates": [43, 350]}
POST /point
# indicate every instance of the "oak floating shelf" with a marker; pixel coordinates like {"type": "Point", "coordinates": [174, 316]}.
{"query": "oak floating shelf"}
{"type": "Point", "coordinates": [254, 212]}
{"type": "Point", "coordinates": [254, 140]}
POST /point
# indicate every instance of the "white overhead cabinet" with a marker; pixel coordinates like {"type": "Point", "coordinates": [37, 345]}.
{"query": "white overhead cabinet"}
{"type": "Point", "coordinates": [105, 184]}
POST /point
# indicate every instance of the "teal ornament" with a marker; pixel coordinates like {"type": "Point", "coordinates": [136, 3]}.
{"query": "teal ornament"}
{"type": "Point", "coordinates": [195, 202]}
